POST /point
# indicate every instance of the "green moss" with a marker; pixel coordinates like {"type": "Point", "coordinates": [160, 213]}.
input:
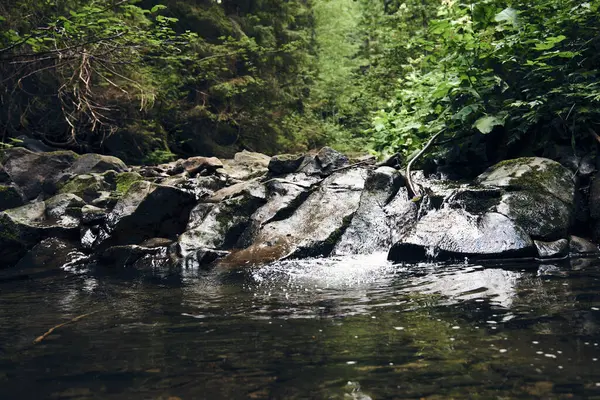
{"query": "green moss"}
{"type": "Point", "coordinates": [125, 180]}
{"type": "Point", "coordinates": [8, 230]}
{"type": "Point", "coordinates": [83, 185]}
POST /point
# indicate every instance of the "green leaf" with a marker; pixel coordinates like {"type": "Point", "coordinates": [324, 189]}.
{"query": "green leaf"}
{"type": "Point", "coordinates": [158, 7]}
{"type": "Point", "coordinates": [486, 124]}
{"type": "Point", "coordinates": [508, 15]}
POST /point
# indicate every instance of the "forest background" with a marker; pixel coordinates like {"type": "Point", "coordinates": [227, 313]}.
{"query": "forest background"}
{"type": "Point", "coordinates": [150, 81]}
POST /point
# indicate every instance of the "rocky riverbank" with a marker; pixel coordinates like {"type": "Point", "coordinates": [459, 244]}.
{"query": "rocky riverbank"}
{"type": "Point", "coordinates": [58, 209]}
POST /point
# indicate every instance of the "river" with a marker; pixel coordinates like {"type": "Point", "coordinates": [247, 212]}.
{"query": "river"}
{"type": "Point", "coordinates": [353, 327]}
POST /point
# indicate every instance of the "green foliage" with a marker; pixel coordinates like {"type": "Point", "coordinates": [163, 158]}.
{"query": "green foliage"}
{"type": "Point", "coordinates": [528, 72]}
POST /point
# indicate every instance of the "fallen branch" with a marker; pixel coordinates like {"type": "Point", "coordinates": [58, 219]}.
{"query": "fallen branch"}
{"type": "Point", "coordinates": [49, 332]}
{"type": "Point", "coordinates": [409, 183]}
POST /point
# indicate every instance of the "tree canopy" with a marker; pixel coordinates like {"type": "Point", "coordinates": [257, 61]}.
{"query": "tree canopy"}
{"type": "Point", "coordinates": [150, 80]}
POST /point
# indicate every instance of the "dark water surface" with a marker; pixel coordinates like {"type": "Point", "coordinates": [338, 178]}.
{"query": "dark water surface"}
{"type": "Point", "coordinates": [345, 328]}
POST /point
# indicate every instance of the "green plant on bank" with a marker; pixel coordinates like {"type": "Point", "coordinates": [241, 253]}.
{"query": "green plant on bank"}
{"type": "Point", "coordinates": [529, 71]}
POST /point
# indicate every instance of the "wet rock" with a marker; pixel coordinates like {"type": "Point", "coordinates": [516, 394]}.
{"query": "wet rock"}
{"type": "Point", "coordinates": [86, 186]}
{"type": "Point", "coordinates": [23, 227]}
{"type": "Point", "coordinates": [157, 242]}
{"type": "Point", "coordinates": [531, 174]}
{"type": "Point", "coordinates": [540, 215]}
{"type": "Point", "coordinates": [283, 198]}
{"type": "Point", "coordinates": [318, 223]}
{"type": "Point", "coordinates": [219, 223]}
{"type": "Point", "coordinates": [50, 254]}
{"type": "Point", "coordinates": [147, 210]}
{"type": "Point", "coordinates": [540, 195]}
{"type": "Point", "coordinates": [203, 258]}
{"type": "Point", "coordinates": [10, 197]}
{"type": "Point", "coordinates": [65, 209]}
{"type": "Point", "coordinates": [454, 234]}
{"type": "Point", "coordinates": [370, 230]}
{"type": "Point", "coordinates": [105, 199]}
{"type": "Point", "coordinates": [246, 165]}
{"type": "Point", "coordinates": [594, 197]}
{"type": "Point", "coordinates": [138, 257]}
{"type": "Point", "coordinates": [558, 248]}
{"type": "Point", "coordinates": [196, 165]}
{"type": "Point", "coordinates": [324, 162]}
{"type": "Point", "coordinates": [96, 163]}
{"type": "Point", "coordinates": [91, 215]}
{"type": "Point", "coordinates": [36, 173]}
{"type": "Point", "coordinates": [580, 245]}
{"type": "Point", "coordinates": [285, 163]}
{"type": "Point", "coordinates": [401, 215]}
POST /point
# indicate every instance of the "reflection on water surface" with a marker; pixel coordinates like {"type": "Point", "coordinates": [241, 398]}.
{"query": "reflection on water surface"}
{"type": "Point", "coordinates": [339, 328]}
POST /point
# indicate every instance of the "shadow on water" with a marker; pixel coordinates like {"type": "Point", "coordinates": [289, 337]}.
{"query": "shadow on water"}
{"type": "Point", "coordinates": [354, 327]}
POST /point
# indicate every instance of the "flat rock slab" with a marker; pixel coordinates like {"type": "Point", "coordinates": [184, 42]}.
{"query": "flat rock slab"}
{"type": "Point", "coordinates": [454, 234]}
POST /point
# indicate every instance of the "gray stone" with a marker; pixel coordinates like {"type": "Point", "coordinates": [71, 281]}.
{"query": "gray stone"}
{"type": "Point", "coordinates": [531, 174]}
{"type": "Point", "coordinates": [23, 227]}
{"type": "Point", "coordinates": [539, 214]}
{"type": "Point", "coordinates": [64, 209]}
{"type": "Point", "coordinates": [558, 248]}
{"type": "Point", "coordinates": [96, 163]}
{"type": "Point", "coordinates": [36, 173]}
{"type": "Point", "coordinates": [87, 186]}
{"type": "Point", "coordinates": [10, 197]}
{"type": "Point", "coordinates": [49, 255]}
{"type": "Point", "coordinates": [315, 227]}
{"type": "Point", "coordinates": [285, 163]}
{"type": "Point", "coordinates": [370, 230]}
{"type": "Point", "coordinates": [454, 234]}
{"type": "Point", "coordinates": [580, 245]}
{"type": "Point", "coordinates": [219, 223]}
{"type": "Point", "coordinates": [91, 215]}
{"type": "Point", "coordinates": [146, 211]}
{"type": "Point", "coordinates": [196, 165]}
{"type": "Point", "coordinates": [540, 195]}
{"type": "Point", "coordinates": [246, 165]}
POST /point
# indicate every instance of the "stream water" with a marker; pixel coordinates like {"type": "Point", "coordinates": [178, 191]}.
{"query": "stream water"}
{"type": "Point", "coordinates": [339, 328]}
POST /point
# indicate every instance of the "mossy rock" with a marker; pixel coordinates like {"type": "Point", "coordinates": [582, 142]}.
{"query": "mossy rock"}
{"type": "Point", "coordinates": [9, 197]}
{"type": "Point", "coordinates": [86, 186]}
{"type": "Point", "coordinates": [125, 180]}
{"type": "Point", "coordinates": [531, 174]}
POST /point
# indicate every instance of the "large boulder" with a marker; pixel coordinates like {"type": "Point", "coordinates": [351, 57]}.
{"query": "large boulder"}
{"type": "Point", "coordinates": [23, 227]}
{"type": "Point", "coordinates": [147, 210]}
{"type": "Point", "coordinates": [96, 163]}
{"type": "Point", "coordinates": [36, 173]}
{"type": "Point", "coordinates": [370, 229]}
{"type": "Point", "coordinates": [314, 227]}
{"type": "Point", "coordinates": [219, 222]}
{"type": "Point", "coordinates": [246, 165]}
{"type": "Point", "coordinates": [450, 233]}
{"type": "Point", "coordinates": [47, 257]}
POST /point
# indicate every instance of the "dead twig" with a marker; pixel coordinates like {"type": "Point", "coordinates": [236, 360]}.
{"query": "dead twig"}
{"type": "Point", "coordinates": [49, 332]}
